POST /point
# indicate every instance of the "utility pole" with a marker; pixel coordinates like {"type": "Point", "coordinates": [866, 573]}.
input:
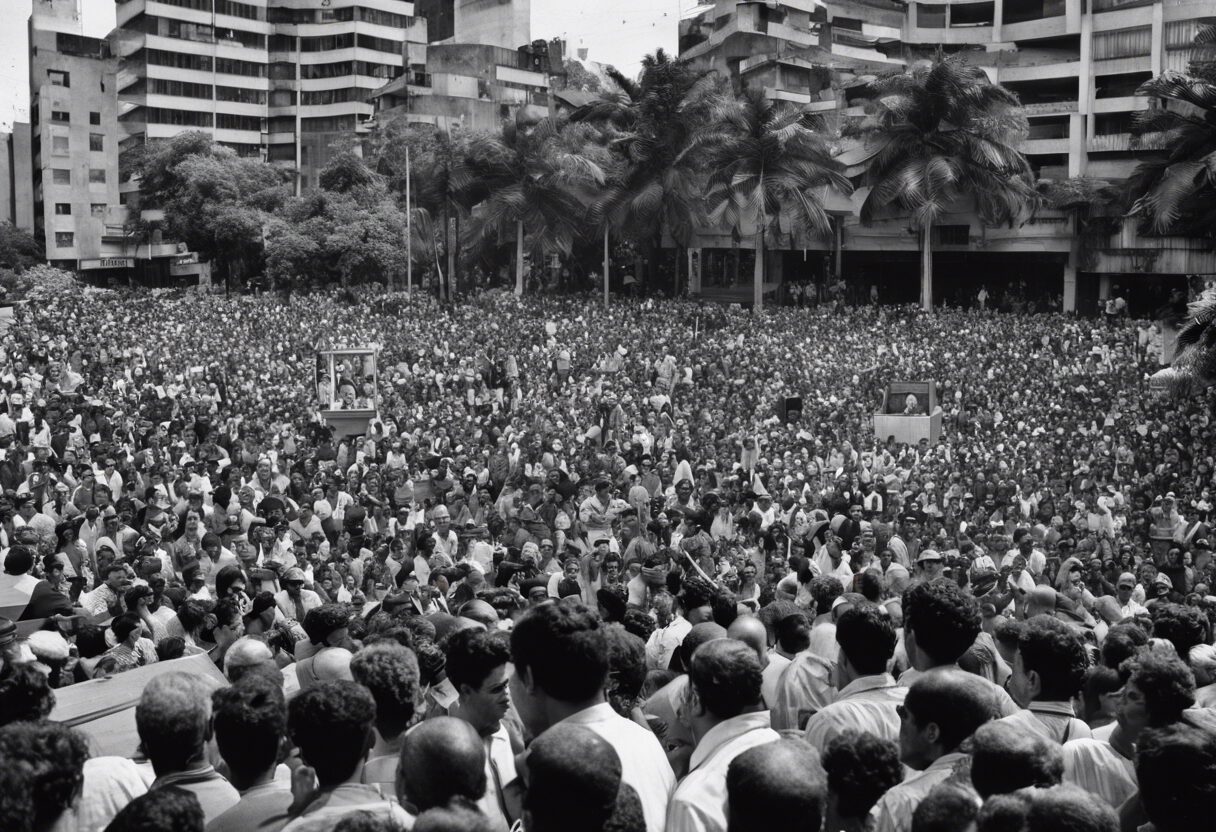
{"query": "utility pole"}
{"type": "Point", "coordinates": [605, 265]}
{"type": "Point", "coordinates": [409, 229]}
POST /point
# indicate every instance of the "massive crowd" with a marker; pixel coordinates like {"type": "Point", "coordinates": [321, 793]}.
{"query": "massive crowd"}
{"type": "Point", "coordinates": [640, 568]}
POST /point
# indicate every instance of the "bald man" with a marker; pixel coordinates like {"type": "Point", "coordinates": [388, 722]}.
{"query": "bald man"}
{"type": "Point", "coordinates": [481, 612]}
{"type": "Point", "coordinates": [750, 630]}
{"type": "Point", "coordinates": [441, 758]}
{"type": "Point", "coordinates": [574, 778]}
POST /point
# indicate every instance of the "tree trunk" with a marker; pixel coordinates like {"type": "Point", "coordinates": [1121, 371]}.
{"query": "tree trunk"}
{"type": "Point", "coordinates": [519, 258]}
{"type": "Point", "coordinates": [758, 274]}
{"type": "Point", "coordinates": [445, 285]}
{"type": "Point", "coordinates": [926, 267]}
{"type": "Point", "coordinates": [606, 266]}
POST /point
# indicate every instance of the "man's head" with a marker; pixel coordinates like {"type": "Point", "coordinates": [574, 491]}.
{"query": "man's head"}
{"type": "Point", "coordinates": [1063, 808]}
{"type": "Point", "coordinates": [441, 759]}
{"type": "Point", "coordinates": [173, 719]}
{"type": "Point", "coordinates": [1176, 770]}
{"type": "Point", "coordinates": [561, 658]}
{"type": "Point", "coordinates": [778, 787]}
{"type": "Point", "coordinates": [1156, 690]}
{"type": "Point", "coordinates": [867, 642]}
{"type": "Point", "coordinates": [250, 723]}
{"type": "Point", "coordinates": [390, 673]}
{"type": "Point", "coordinates": [41, 771]}
{"type": "Point", "coordinates": [861, 768]}
{"type": "Point", "coordinates": [477, 667]}
{"type": "Point", "coordinates": [942, 709]}
{"type": "Point", "coordinates": [1005, 758]}
{"type": "Point", "coordinates": [1050, 662]}
{"type": "Point", "coordinates": [940, 623]}
{"type": "Point", "coordinates": [724, 682]}
{"type": "Point", "coordinates": [19, 561]}
{"type": "Point", "coordinates": [331, 724]}
{"type": "Point", "coordinates": [245, 654]}
{"type": "Point", "coordinates": [574, 780]}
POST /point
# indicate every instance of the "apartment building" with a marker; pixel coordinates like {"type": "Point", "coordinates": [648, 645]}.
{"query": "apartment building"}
{"type": "Point", "coordinates": [17, 178]}
{"type": "Point", "coordinates": [72, 149]}
{"type": "Point", "coordinates": [283, 79]}
{"type": "Point", "coordinates": [1075, 65]}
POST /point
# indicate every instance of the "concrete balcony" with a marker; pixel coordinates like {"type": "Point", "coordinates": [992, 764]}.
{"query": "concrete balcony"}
{"type": "Point", "coordinates": [1049, 108]}
{"type": "Point", "coordinates": [775, 94]}
{"type": "Point", "coordinates": [1121, 104]}
{"type": "Point", "coordinates": [821, 106]}
{"type": "Point", "coordinates": [953, 36]}
{"type": "Point", "coordinates": [1106, 21]}
{"type": "Point", "coordinates": [799, 35]}
{"type": "Point", "coordinates": [1113, 142]}
{"type": "Point", "coordinates": [1038, 72]}
{"type": "Point", "coordinates": [1121, 66]}
{"type": "Point", "coordinates": [1044, 146]}
{"type": "Point", "coordinates": [1046, 27]}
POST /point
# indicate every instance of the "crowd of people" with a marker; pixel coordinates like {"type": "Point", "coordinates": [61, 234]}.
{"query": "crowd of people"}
{"type": "Point", "coordinates": [638, 568]}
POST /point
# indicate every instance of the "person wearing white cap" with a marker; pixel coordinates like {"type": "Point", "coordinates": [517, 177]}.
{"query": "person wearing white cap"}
{"type": "Point", "coordinates": [930, 565]}
{"type": "Point", "coordinates": [446, 542]}
{"type": "Point", "coordinates": [1124, 588]}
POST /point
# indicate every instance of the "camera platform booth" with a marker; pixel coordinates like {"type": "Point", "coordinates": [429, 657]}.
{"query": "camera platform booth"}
{"type": "Point", "coordinates": [909, 413]}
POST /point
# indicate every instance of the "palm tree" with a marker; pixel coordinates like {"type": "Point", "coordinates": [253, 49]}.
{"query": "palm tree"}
{"type": "Point", "coordinates": [770, 167]}
{"type": "Point", "coordinates": [1176, 194]}
{"type": "Point", "coordinates": [651, 124]}
{"type": "Point", "coordinates": [533, 183]}
{"type": "Point", "coordinates": [941, 132]}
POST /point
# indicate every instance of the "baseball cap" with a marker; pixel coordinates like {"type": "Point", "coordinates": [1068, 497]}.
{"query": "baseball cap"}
{"type": "Point", "coordinates": [1126, 579]}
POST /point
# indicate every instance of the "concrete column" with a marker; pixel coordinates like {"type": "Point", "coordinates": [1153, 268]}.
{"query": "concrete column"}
{"type": "Point", "coordinates": [1070, 288]}
{"type": "Point", "coordinates": [1074, 14]}
{"type": "Point", "coordinates": [1158, 54]}
{"type": "Point", "coordinates": [1077, 156]}
{"type": "Point", "coordinates": [998, 20]}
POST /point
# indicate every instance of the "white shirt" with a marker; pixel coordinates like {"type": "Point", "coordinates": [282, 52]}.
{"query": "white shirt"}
{"type": "Point", "coordinates": [771, 677]}
{"type": "Point", "coordinates": [643, 763]}
{"type": "Point", "coordinates": [1053, 721]}
{"type": "Point", "coordinates": [804, 688]}
{"type": "Point", "coordinates": [663, 642]}
{"type": "Point", "coordinates": [893, 812]}
{"type": "Point", "coordinates": [699, 803]}
{"type": "Point", "coordinates": [867, 704]}
{"type": "Point", "coordinates": [1099, 769]}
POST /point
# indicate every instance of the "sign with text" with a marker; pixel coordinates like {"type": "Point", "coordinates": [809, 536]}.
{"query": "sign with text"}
{"type": "Point", "coordinates": [107, 263]}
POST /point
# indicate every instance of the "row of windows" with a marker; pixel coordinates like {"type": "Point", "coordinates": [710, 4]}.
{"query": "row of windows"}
{"type": "Point", "coordinates": [64, 209]}
{"type": "Point", "coordinates": [240, 95]}
{"type": "Point", "coordinates": [63, 176]}
{"type": "Point", "coordinates": [325, 43]}
{"type": "Point", "coordinates": [227, 121]}
{"type": "Point", "coordinates": [177, 60]}
{"type": "Point", "coordinates": [397, 21]}
{"type": "Point", "coordinates": [63, 117]}
{"type": "Point", "coordinates": [183, 89]}
{"type": "Point", "coordinates": [62, 146]}
{"type": "Point", "coordinates": [336, 69]}
{"type": "Point", "coordinates": [333, 124]}
{"type": "Point", "coordinates": [337, 96]}
{"type": "Point", "coordinates": [180, 118]}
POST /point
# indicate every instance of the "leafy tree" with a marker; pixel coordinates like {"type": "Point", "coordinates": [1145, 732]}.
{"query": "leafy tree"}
{"type": "Point", "coordinates": [579, 78]}
{"type": "Point", "coordinates": [18, 249]}
{"type": "Point", "coordinates": [770, 167]}
{"type": "Point", "coordinates": [652, 124]}
{"type": "Point", "coordinates": [533, 183]}
{"type": "Point", "coordinates": [1176, 193]}
{"type": "Point", "coordinates": [942, 132]}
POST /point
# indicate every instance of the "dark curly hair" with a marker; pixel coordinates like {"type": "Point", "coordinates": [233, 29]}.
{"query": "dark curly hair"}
{"type": "Point", "coordinates": [626, 667]}
{"type": "Point", "coordinates": [321, 621]}
{"type": "Point", "coordinates": [726, 675]}
{"type": "Point", "coordinates": [945, 619]}
{"type": "Point", "coordinates": [1182, 626]}
{"type": "Point", "coordinates": [564, 648]}
{"type": "Point", "coordinates": [160, 809]}
{"type": "Point", "coordinates": [473, 654]}
{"type": "Point", "coordinates": [1122, 642]}
{"type": "Point", "coordinates": [825, 589]}
{"type": "Point", "coordinates": [639, 623]}
{"type": "Point", "coordinates": [55, 756]}
{"type": "Point", "coordinates": [25, 695]}
{"type": "Point", "coordinates": [1167, 683]}
{"type": "Point", "coordinates": [1176, 770]}
{"type": "Point", "coordinates": [861, 768]}
{"type": "Point", "coordinates": [866, 638]}
{"type": "Point", "coordinates": [390, 672]}
{"type": "Point", "coordinates": [330, 724]}
{"type": "Point", "coordinates": [1056, 653]}
{"type": "Point", "coordinates": [249, 719]}
{"type": "Point", "coordinates": [1005, 758]}
{"type": "Point", "coordinates": [695, 592]}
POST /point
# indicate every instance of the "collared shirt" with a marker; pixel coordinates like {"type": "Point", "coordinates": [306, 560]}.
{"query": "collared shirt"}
{"type": "Point", "coordinates": [1099, 769]}
{"type": "Point", "coordinates": [643, 763]}
{"type": "Point", "coordinates": [263, 808]}
{"type": "Point", "coordinates": [771, 677]}
{"type": "Point", "coordinates": [699, 802]}
{"type": "Point", "coordinates": [215, 794]}
{"type": "Point", "coordinates": [823, 638]}
{"type": "Point", "coordinates": [1055, 721]}
{"type": "Point", "coordinates": [500, 773]}
{"type": "Point", "coordinates": [868, 703]}
{"type": "Point", "coordinates": [663, 643]}
{"type": "Point", "coordinates": [328, 808]}
{"type": "Point", "coordinates": [805, 687]}
{"type": "Point", "coordinates": [109, 784]}
{"type": "Point", "coordinates": [893, 812]}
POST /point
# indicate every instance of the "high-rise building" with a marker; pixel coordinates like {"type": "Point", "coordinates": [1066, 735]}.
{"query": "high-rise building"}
{"type": "Point", "coordinates": [17, 178]}
{"type": "Point", "coordinates": [1074, 64]}
{"type": "Point", "coordinates": [73, 151]}
{"type": "Point", "coordinates": [281, 78]}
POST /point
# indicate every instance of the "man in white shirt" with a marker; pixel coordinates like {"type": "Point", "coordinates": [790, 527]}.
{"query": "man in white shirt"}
{"type": "Point", "coordinates": [941, 710]}
{"type": "Point", "coordinates": [1125, 587]}
{"type": "Point", "coordinates": [560, 655]}
{"type": "Point", "coordinates": [793, 635]}
{"type": "Point", "coordinates": [1048, 670]}
{"type": "Point", "coordinates": [726, 716]}
{"type": "Point", "coordinates": [868, 697]}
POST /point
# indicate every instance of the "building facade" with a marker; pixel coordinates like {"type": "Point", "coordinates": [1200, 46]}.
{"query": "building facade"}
{"type": "Point", "coordinates": [73, 150]}
{"type": "Point", "coordinates": [17, 178]}
{"type": "Point", "coordinates": [283, 79]}
{"type": "Point", "coordinates": [1074, 64]}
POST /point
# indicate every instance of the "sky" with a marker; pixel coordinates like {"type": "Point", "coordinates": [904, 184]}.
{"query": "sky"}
{"type": "Point", "coordinates": [617, 32]}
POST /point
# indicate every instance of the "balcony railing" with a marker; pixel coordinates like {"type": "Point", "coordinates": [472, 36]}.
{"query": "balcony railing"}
{"type": "Point", "coordinates": [1049, 108]}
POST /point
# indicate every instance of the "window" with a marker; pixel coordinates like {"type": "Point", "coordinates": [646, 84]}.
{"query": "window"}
{"type": "Point", "coordinates": [227, 121]}
{"type": "Point", "coordinates": [1123, 43]}
{"type": "Point", "coordinates": [337, 96]}
{"type": "Point", "coordinates": [178, 60]}
{"type": "Point", "coordinates": [59, 78]}
{"type": "Point", "coordinates": [237, 9]}
{"type": "Point", "coordinates": [97, 175]}
{"type": "Point", "coordinates": [59, 145]}
{"type": "Point", "coordinates": [331, 70]}
{"type": "Point", "coordinates": [240, 95]}
{"type": "Point", "coordinates": [393, 47]}
{"type": "Point", "coordinates": [327, 42]}
{"type": "Point", "coordinates": [231, 66]}
{"type": "Point", "coordinates": [59, 176]}
{"type": "Point", "coordinates": [64, 239]}
{"type": "Point", "coordinates": [333, 124]}
{"type": "Point", "coordinates": [97, 209]}
{"type": "Point", "coordinates": [97, 141]}
{"type": "Point", "coordinates": [183, 118]}
{"type": "Point", "coordinates": [197, 32]}
{"type": "Point", "coordinates": [63, 209]}
{"type": "Point", "coordinates": [60, 116]}
{"type": "Point", "coordinates": [94, 118]}
{"type": "Point", "coordinates": [181, 89]}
